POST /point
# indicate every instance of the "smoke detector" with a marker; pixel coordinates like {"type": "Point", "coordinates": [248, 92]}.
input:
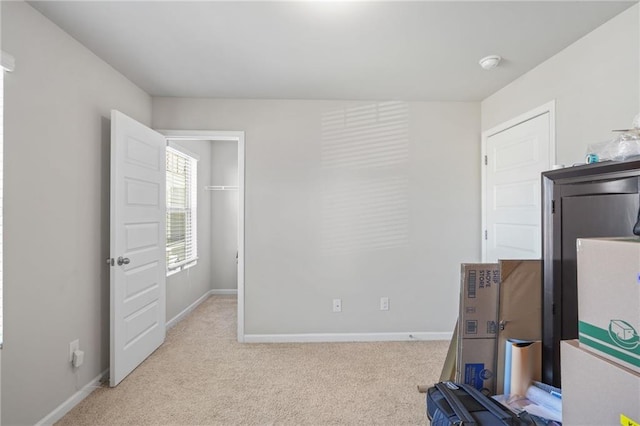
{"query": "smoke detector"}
{"type": "Point", "coordinates": [490, 62]}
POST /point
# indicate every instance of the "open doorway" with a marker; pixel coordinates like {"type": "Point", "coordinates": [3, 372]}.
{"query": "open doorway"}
{"type": "Point", "coordinates": [223, 187]}
{"type": "Point", "coordinates": [139, 256]}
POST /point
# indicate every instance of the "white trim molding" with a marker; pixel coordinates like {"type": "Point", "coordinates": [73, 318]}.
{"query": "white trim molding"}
{"type": "Point", "coordinates": [186, 311]}
{"type": "Point", "coordinates": [7, 62]}
{"type": "Point", "coordinates": [550, 108]}
{"type": "Point", "coordinates": [75, 399]}
{"type": "Point", "coordinates": [237, 136]}
{"type": "Point", "coordinates": [223, 291]}
{"type": "Point", "coordinates": [172, 144]}
{"type": "Point", "coordinates": [347, 337]}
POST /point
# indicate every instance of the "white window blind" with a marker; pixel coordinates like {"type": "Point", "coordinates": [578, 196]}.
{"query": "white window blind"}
{"type": "Point", "coordinates": [182, 244]}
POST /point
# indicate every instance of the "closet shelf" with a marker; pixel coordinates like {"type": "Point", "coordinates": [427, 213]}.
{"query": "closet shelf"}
{"type": "Point", "coordinates": [221, 188]}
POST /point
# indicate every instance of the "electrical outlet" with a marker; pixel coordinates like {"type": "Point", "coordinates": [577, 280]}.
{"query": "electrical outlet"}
{"type": "Point", "coordinates": [73, 346]}
{"type": "Point", "coordinates": [337, 305]}
{"type": "Point", "coordinates": [384, 303]}
{"type": "Point", "coordinates": [78, 359]}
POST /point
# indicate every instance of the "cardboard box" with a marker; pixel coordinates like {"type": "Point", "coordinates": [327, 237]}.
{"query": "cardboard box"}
{"type": "Point", "coordinates": [477, 325]}
{"type": "Point", "coordinates": [478, 317]}
{"type": "Point", "coordinates": [476, 364]}
{"type": "Point", "coordinates": [519, 310]}
{"type": "Point", "coordinates": [595, 390]}
{"type": "Point", "coordinates": [490, 293]}
{"type": "Point", "coordinates": [609, 298]}
{"type": "Point", "coordinates": [448, 373]}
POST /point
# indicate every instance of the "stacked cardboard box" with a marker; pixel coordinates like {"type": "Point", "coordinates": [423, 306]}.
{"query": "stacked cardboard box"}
{"type": "Point", "coordinates": [497, 301]}
{"type": "Point", "coordinates": [601, 371]}
{"type": "Point", "coordinates": [597, 391]}
{"type": "Point", "coordinates": [609, 298]}
{"type": "Point", "coordinates": [519, 316]}
{"type": "Point", "coordinates": [478, 325]}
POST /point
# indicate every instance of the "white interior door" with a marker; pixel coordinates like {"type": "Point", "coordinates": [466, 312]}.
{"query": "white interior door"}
{"type": "Point", "coordinates": [514, 159]}
{"type": "Point", "coordinates": [138, 253]}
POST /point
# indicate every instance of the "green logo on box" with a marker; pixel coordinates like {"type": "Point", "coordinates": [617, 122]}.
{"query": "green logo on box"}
{"type": "Point", "coordinates": [623, 334]}
{"type": "Point", "coordinates": [613, 340]}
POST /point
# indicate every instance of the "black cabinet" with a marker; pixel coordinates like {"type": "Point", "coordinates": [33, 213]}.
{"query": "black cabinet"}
{"type": "Point", "coordinates": [595, 200]}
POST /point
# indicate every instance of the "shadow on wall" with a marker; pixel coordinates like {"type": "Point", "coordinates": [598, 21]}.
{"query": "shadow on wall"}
{"type": "Point", "coordinates": [365, 198]}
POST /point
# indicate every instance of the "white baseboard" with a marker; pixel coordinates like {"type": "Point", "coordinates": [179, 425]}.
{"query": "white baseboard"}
{"type": "Point", "coordinates": [74, 400]}
{"type": "Point", "coordinates": [77, 397]}
{"type": "Point", "coordinates": [346, 337]}
{"type": "Point", "coordinates": [186, 311]}
{"type": "Point", "coordinates": [223, 291]}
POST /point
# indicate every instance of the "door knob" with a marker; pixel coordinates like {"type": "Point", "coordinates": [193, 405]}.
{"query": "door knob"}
{"type": "Point", "coordinates": [123, 261]}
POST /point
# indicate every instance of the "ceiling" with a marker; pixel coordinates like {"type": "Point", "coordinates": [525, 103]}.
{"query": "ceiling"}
{"type": "Point", "coordinates": [426, 50]}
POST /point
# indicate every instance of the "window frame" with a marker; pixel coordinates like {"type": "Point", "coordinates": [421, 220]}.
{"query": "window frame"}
{"type": "Point", "coordinates": [7, 65]}
{"type": "Point", "coordinates": [191, 210]}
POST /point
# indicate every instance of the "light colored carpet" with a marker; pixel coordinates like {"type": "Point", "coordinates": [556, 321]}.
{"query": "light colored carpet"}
{"type": "Point", "coordinates": [201, 375]}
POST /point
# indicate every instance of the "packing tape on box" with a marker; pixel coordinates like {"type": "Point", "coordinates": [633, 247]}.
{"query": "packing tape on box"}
{"type": "Point", "coordinates": [626, 421]}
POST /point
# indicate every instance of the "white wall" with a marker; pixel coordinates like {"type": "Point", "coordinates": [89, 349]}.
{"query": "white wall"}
{"type": "Point", "coordinates": [1, 205]}
{"type": "Point", "coordinates": [224, 208]}
{"type": "Point", "coordinates": [594, 82]}
{"type": "Point", "coordinates": [187, 286]}
{"type": "Point", "coordinates": [333, 214]}
{"type": "Point", "coordinates": [56, 281]}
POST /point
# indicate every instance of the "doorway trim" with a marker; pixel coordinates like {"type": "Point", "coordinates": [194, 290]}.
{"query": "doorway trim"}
{"type": "Point", "coordinates": [549, 107]}
{"type": "Point", "coordinates": [237, 136]}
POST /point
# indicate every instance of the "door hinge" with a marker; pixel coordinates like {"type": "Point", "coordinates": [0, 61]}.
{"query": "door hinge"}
{"type": "Point", "coordinates": [553, 206]}
{"type": "Point", "coordinates": [486, 160]}
{"type": "Point", "coordinates": [486, 235]}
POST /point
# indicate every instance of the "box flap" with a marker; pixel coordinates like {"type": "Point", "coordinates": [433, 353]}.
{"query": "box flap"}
{"type": "Point", "coordinates": [519, 306]}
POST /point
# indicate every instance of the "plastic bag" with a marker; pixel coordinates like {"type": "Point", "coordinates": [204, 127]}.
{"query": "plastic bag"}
{"type": "Point", "coordinates": [625, 146]}
{"type": "Point", "coordinates": [636, 122]}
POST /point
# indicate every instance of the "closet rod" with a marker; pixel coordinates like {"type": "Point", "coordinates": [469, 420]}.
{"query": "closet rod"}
{"type": "Point", "coordinates": [221, 188]}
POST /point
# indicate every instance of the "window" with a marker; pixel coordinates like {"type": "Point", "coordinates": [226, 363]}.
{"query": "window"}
{"type": "Point", "coordinates": [182, 246]}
